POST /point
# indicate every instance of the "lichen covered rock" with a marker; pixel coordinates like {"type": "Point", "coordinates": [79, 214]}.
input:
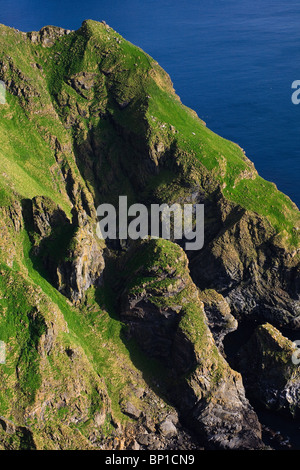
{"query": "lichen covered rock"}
{"type": "Point", "coordinates": [165, 315]}
{"type": "Point", "coordinates": [271, 376]}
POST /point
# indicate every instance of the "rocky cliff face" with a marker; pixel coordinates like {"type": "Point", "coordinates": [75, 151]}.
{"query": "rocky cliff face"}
{"type": "Point", "coordinates": [244, 262]}
{"type": "Point", "coordinates": [70, 251]}
{"type": "Point", "coordinates": [271, 377]}
{"type": "Point", "coordinates": [123, 342]}
{"type": "Point", "coordinates": [165, 315]}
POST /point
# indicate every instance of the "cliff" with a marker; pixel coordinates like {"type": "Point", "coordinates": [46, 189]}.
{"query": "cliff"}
{"type": "Point", "coordinates": [113, 345]}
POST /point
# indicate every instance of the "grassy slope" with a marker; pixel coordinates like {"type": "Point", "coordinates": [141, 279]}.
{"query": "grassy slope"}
{"type": "Point", "coordinates": [27, 124]}
{"type": "Point", "coordinates": [137, 76]}
{"type": "Point", "coordinates": [28, 168]}
{"type": "Point", "coordinates": [93, 328]}
{"type": "Point", "coordinates": [157, 269]}
{"type": "Point", "coordinates": [26, 157]}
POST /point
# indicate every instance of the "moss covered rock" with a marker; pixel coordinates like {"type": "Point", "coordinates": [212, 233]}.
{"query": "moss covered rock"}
{"type": "Point", "coordinates": [271, 375]}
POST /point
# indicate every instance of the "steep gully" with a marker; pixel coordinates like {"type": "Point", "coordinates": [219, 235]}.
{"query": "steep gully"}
{"type": "Point", "coordinates": [216, 276]}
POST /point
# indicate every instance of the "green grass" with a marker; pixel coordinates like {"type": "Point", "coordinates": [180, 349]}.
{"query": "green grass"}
{"type": "Point", "coordinates": [26, 159]}
{"type": "Point", "coordinates": [226, 161]}
{"type": "Point", "coordinates": [130, 76]}
{"type": "Point", "coordinates": [21, 327]}
{"type": "Point", "coordinates": [96, 329]}
{"type": "Point", "coordinates": [48, 130]}
{"type": "Point", "coordinates": [157, 271]}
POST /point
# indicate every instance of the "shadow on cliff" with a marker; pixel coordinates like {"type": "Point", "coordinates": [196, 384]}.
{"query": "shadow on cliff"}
{"type": "Point", "coordinates": [44, 259]}
{"type": "Point", "coordinates": [155, 374]}
{"type": "Point", "coordinates": [46, 252]}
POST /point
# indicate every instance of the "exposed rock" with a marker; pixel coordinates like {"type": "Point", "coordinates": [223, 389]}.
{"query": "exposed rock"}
{"type": "Point", "coordinates": [167, 428]}
{"type": "Point", "coordinates": [8, 426]}
{"type": "Point", "coordinates": [100, 418]}
{"type": "Point", "coordinates": [47, 35]}
{"type": "Point", "coordinates": [212, 397]}
{"type": "Point", "coordinates": [220, 320]}
{"type": "Point", "coordinates": [226, 417]}
{"type": "Point", "coordinates": [135, 445]}
{"type": "Point", "coordinates": [17, 82]}
{"type": "Point", "coordinates": [83, 83]}
{"type": "Point", "coordinates": [10, 434]}
{"type": "Point", "coordinates": [270, 375]}
{"type": "Point", "coordinates": [47, 216]}
{"type": "Point", "coordinates": [242, 261]}
{"type": "Point", "coordinates": [77, 262]}
{"type": "Point", "coordinates": [70, 375]}
{"type": "Point", "coordinates": [149, 424]}
{"type": "Point", "coordinates": [48, 338]}
{"type": "Point", "coordinates": [14, 213]}
{"type": "Point", "coordinates": [83, 264]}
{"type": "Point", "coordinates": [131, 410]}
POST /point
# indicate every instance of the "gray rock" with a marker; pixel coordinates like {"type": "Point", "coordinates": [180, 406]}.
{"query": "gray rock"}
{"type": "Point", "coordinates": [145, 439]}
{"type": "Point", "coordinates": [167, 428]}
{"type": "Point", "coordinates": [270, 375]}
{"type": "Point", "coordinates": [100, 418]}
{"type": "Point", "coordinates": [132, 411]}
{"type": "Point", "coordinates": [135, 445]}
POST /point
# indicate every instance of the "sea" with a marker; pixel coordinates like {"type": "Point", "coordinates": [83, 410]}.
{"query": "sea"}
{"type": "Point", "coordinates": [232, 61]}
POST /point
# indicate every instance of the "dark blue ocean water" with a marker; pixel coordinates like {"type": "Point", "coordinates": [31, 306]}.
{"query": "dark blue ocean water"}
{"type": "Point", "coordinates": [233, 61]}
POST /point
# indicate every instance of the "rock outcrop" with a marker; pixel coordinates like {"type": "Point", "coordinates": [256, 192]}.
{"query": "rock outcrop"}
{"type": "Point", "coordinates": [243, 262]}
{"type": "Point", "coordinates": [47, 35]}
{"type": "Point", "coordinates": [220, 320]}
{"type": "Point", "coordinates": [102, 337]}
{"type": "Point", "coordinates": [70, 250]}
{"type": "Point", "coordinates": [271, 377]}
{"type": "Point", "coordinates": [165, 315]}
